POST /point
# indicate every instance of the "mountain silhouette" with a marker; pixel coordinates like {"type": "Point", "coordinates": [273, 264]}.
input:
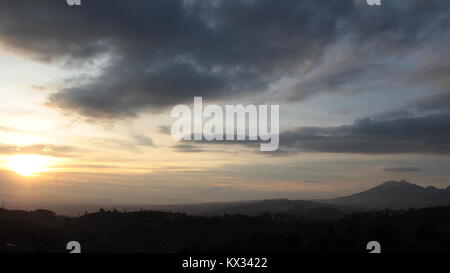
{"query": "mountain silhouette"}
{"type": "Point", "coordinates": [269, 226]}
{"type": "Point", "coordinates": [390, 194]}
{"type": "Point", "coordinates": [395, 195]}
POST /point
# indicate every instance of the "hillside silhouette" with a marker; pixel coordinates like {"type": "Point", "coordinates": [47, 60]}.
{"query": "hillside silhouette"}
{"type": "Point", "coordinates": [412, 230]}
{"type": "Point", "coordinates": [391, 213]}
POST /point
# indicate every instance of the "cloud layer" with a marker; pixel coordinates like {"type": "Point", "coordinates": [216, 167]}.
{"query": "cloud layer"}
{"type": "Point", "coordinates": [429, 134]}
{"type": "Point", "coordinates": [161, 53]}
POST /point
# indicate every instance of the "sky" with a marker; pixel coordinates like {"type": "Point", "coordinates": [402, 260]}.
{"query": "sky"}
{"type": "Point", "coordinates": [86, 95]}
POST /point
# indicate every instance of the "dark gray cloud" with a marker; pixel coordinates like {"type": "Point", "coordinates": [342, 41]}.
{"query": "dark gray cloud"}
{"type": "Point", "coordinates": [402, 169]}
{"type": "Point", "coordinates": [438, 102]}
{"type": "Point", "coordinates": [422, 135]}
{"type": "Point", "coordinates": [165, 52]}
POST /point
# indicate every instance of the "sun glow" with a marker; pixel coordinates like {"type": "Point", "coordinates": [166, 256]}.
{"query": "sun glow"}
{"type": "Point", "coordinates": [28, 165]}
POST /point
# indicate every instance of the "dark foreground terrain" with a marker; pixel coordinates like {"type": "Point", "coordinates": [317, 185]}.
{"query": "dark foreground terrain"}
{"type": "Point", "coordinates": [412, 230]}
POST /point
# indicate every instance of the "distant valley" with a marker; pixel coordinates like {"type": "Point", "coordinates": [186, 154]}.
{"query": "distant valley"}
{"type": "Point", "coordinates": [390, 194]}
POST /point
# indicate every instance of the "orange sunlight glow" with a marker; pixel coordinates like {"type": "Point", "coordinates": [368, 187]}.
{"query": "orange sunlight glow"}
{"type": "Point", "coordinates": [28, 165]}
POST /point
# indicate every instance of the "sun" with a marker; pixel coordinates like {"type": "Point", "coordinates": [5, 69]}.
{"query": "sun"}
{"type": "Point", "coordinates": [28, 165]}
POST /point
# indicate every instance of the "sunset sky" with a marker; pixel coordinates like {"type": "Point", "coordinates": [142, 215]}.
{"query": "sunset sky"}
{"type": "Point", "coordinates": [86, 94]}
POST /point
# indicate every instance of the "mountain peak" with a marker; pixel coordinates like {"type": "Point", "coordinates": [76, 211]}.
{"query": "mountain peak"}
{"type": "Point", "coordinates": [392, 183]}
{"type": "Point", "coordinates": [397, 194]}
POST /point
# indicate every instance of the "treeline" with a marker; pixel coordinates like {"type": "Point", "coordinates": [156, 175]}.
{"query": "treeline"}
{"type": "Point", "coordinates": [414, 230]}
